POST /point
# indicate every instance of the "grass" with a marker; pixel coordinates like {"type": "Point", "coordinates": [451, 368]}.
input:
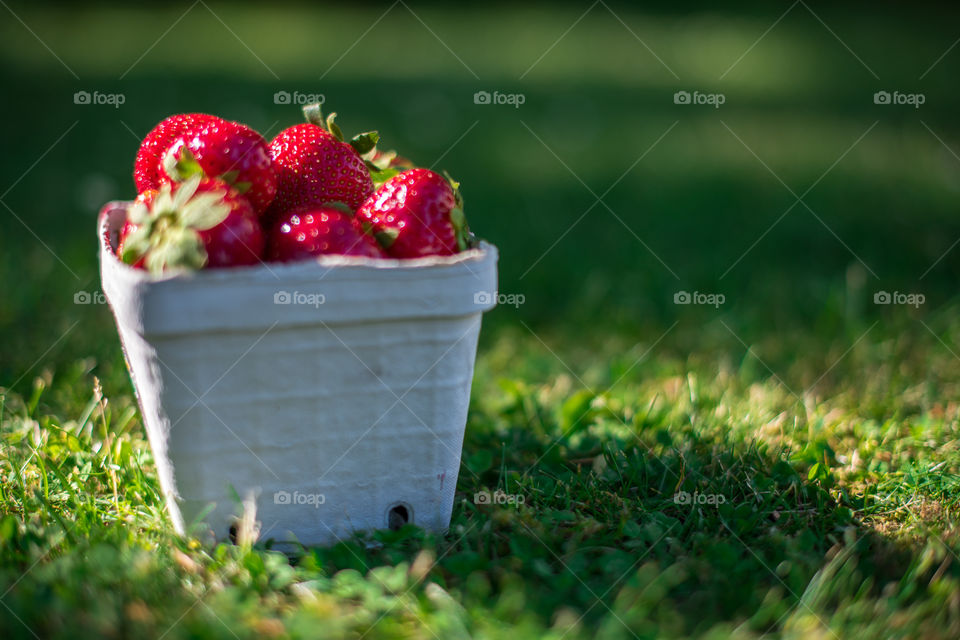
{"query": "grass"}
{"type": "Point", "coordinates": [814, 432]}
{"type": "Point", "coordinates": [831, 520]}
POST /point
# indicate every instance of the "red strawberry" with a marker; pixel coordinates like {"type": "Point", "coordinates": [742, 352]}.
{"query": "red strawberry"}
{"type": "Point", "coordinates": [417, 213]}
{"type": "Point", "coordinates": [146, 167]}
{"type": "Point", "coordinates": [314, 165]}
{"type": "Point", "coordinates": [146, 198]}
{"type": "Point", "coordinates": [328, 229]}
{"type": "Point", "coordinates": [227, 150]}
{"type": "Point", "coordinates": [202, 222]}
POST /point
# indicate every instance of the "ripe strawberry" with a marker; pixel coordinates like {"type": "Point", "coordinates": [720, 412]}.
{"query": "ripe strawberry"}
{"type": "Point", "coordinates": [200, 223]}
{"type": "Point", "coordinates": [328, 229]}
{"type": "Point", "coordinates": [146, 166]}
{"type": "Point", "coordinates": [146, 198]}
{"type": "Point", "coordinates": [314, 165]}
{"type": "Point", "coordinates": [227, 150]}
{"type": "Point", "coordinates": [417, 213]}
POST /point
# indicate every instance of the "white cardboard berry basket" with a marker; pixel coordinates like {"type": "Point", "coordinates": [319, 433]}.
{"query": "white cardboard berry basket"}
{"type": "Point", "coordinates": [334, 391]}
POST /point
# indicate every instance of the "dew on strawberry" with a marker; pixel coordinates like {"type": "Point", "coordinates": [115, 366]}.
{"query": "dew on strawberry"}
{"type": "Point", "coordinates": [311, 231]}
{"type": "Point", "coordinates": [230, 151]}
{"type": "Point", "coordinates": [315, 165]}
{"type": "Point", "coordinates": [417, 213]}
{"type": "Point", "coordinates": [147, 172]}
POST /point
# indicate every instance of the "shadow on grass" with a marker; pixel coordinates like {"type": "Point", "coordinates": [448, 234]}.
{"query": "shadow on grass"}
{"type": "Point", "coordinates": [669, 532]}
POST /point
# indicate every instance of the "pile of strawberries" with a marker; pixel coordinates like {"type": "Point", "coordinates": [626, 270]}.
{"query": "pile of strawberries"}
{"type": "Point", "coordinates": [214, 193]}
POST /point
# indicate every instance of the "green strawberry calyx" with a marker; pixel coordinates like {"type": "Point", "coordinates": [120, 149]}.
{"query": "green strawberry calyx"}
{"type": "Point", "coordinates": [380, 176]}
{"type": "Point", "coordinates": [384, 165]}
{"type": "Point", "coordinates": [465, 239]}
{"type": "Point", "coordinates": [460, 229]}
{"type": "Point", "coordinates": [362, 142]}
{"type": "Point", "coordinates": [380, 161]}
{"type": "Point", "coordinates": [365, 144]}
{"type": "Point", "coordinates": [167, 234]}
{"type": "Point", "coordinates": [386, 236]}
{"type": "Point", "coordinates": [180, 164]}
{"type": "Point", "coordinates": [342, 207]}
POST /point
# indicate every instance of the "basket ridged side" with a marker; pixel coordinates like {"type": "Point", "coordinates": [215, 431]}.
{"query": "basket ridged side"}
{"type": "Point", "coordinates": [367, 412]}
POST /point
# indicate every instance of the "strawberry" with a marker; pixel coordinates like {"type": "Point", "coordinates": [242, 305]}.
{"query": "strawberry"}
{"type": "Point", "coordinates": [146, 198]}
{"type": "Point", "coordinates": [199, 223]}
{"type": "Point", "coordinates": [146, 166]}
{"type": "Point", "coordinates": [314, 165]}
{"type": "Point", "coordinates": [227, 150]}
{"type": "Point", "coordinates": [328, 229]}
{"type": "Point", "coordinates": [417, 213]}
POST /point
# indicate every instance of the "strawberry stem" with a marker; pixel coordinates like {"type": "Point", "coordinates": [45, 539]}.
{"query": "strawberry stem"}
{"type": "Point", "coordinates": [314, 114]}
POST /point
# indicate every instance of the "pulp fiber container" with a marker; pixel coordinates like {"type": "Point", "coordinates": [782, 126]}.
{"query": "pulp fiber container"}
{"type": "Point", "coordinates": [333, 391]}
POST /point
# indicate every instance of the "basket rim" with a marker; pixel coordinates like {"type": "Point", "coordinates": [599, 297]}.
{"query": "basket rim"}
{"type": "Point", "coordinates": [110, 221]}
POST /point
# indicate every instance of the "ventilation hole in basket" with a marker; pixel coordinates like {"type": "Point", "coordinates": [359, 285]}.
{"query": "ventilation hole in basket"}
{"type": "Point", "coordinates": [398, 516]}
{"type": "Point", "coordinates": [233, 534]}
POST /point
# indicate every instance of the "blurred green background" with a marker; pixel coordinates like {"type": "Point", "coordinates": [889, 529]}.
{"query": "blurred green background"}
{"type": "Point", "coordinates": [828, 421]}
{"type": "Point", "coordinates": [694, 198]}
